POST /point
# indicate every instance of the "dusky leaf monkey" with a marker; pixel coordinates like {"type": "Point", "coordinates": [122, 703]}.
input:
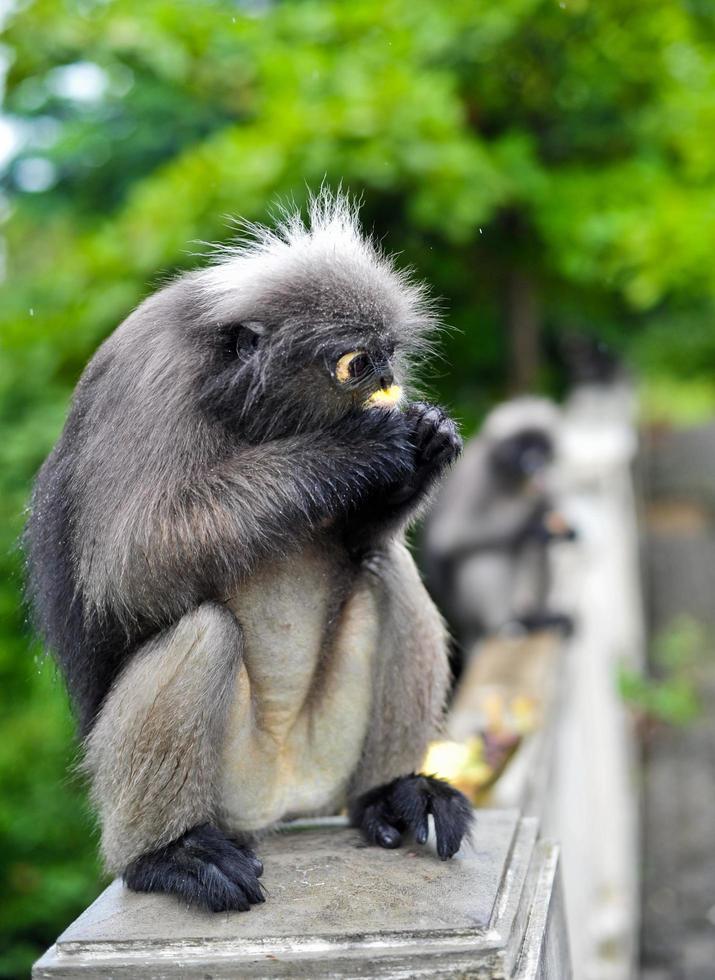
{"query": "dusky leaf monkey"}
{"type": "Point", "coordinates": [216, 560]}
{"type": "Point", "coordinates": [487, 536]}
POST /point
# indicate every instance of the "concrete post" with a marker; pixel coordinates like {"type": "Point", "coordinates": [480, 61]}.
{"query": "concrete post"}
{"type": "Point", "coordinates": [339, 909]}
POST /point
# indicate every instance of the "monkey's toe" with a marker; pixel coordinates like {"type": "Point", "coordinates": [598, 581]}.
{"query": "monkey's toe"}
{"type": "Point", "coordinates": [203, 868]}
{"type": "Point", "coordinates": [375, 825]}
{"type": "Point", "coordinates": [403, 806]}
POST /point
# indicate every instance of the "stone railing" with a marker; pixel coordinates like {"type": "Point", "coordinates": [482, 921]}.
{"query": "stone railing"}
{"type": "Point", "coordinates": [537, 723]}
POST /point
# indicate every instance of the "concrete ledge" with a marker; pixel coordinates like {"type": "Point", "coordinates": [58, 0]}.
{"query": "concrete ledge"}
{"type": "Point", "coordinates": [339, 909]}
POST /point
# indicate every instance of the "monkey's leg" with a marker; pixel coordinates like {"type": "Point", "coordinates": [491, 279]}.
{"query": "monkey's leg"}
{"type": "Point", "coordinates": [153, 755]}
{"type": "Point", "coordinates": [387, 797]}
{"type": "Point", "coordinates": [484, 591]}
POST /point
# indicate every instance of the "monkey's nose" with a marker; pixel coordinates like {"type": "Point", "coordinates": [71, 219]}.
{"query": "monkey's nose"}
{"type": "Point", "coordinates": [385, 375]}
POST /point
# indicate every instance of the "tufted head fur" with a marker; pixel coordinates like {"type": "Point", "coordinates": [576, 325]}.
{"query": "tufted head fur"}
{"type": "Point", "coordinates": [294, 300]}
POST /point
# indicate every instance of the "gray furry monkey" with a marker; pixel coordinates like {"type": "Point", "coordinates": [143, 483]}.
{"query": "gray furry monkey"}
{"type": "Point", "coordinates": [216, 560]}
{"type": "Point", "coordinates": [487, 536]}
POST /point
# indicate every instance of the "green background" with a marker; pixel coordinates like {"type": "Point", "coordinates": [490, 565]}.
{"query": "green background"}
{"type": "Point", "coordinates": [556, 159]}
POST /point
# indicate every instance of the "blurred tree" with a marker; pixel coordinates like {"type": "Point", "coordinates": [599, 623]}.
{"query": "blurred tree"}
{"type": "Point", "coordinates": [546, 165]}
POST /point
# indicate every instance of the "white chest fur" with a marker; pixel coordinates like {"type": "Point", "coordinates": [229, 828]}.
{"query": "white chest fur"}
{"type": "Point", "coordinates": [303, 693]}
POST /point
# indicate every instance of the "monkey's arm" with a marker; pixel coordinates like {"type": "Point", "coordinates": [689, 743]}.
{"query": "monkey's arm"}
{"type": "Point", "coordinates": [387, 795]}
{"type": "Point", "coordinates": [514, 524]}
{"type": "Point", "coordinates": [500, 528]}
{"type": "Point", "coordinates": [411, 673]}
{"type": "Point", "coordinates": [198, 541]}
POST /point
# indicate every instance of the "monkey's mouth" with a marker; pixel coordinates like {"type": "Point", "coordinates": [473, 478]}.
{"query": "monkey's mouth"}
{"type": "Point", "coordinates": [385, 397]}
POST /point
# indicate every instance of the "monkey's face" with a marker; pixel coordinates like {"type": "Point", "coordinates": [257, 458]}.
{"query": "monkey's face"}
{"type": "Point", "coordinates": [522, 458]}
{"type": "Point", "coordinates": [271, 380]}
{"type": "Point", "coordinates": [313, 388]}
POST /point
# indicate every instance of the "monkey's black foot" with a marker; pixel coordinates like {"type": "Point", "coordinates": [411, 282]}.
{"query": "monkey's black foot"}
{"type": "Point", "coordinates": [386, 813]}
{"type": "Point", "coordinates": [204, 868]}
{"type": "Point", "coordinates": [435, 436]}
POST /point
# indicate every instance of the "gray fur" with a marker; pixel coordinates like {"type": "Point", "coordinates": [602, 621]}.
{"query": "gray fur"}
{"type": "Point", "coordinates": [154, 752]}
{"type": "Point", "coordinates": [150, 471]}
{"type": "Point", "coordinates": [213, 556]}
{"type": "Point", "coordinates": [481, 570]}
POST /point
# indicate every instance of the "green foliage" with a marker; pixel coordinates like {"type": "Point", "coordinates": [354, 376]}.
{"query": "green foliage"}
{"type": "Point", "coordinates": [676, 401]}
{"type": "Point", "coordinates": [670, 695]}
{"type": "Point", "coordinates": [567, 141]}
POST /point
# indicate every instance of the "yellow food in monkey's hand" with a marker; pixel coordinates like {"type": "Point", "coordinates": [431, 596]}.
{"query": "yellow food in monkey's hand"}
{"type": "Point", "coordinates": [385, 397]}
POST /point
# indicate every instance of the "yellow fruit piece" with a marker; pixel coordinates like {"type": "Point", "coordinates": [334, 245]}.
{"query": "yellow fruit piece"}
{"type": "Point", "coordinates": [446, 759]}
{"type": "Point", "coordinates": [523, 711]}
{"type": "Point", "coordinates": [461, 763]}
{"type": "Point", "coordinates": [385, 397]}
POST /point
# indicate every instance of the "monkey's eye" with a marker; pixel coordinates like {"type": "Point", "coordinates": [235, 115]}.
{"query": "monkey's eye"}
{"type": "Point", "coordinates": [246, 340]}
{"type": "Point", "coordinates": [352, 366]}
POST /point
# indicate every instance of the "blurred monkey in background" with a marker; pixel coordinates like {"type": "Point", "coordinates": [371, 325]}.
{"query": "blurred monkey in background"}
{"type": "Point", "coordinates": [487, 536]}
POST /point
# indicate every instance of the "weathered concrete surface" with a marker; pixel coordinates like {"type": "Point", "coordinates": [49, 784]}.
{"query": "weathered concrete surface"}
{"type": "Point", "coordinates": [339, 909]}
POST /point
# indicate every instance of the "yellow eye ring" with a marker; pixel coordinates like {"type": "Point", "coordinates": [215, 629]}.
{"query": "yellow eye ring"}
{"type": "Point", "coordinates": [343, 370]}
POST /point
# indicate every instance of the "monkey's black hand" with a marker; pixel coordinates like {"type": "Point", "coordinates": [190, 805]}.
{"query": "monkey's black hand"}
{"type": "Point", "coordinates": [548, 526]}
{"type": "Point", "coordinates": [403, 806]}
{"type": "Point", "coordinates": [436, 443]}
{"type": "Point", "coordinates": [435, 437]}
{"type": "Point", "coordinates": [425, 440]}
{"type": "Point", "coordinates": [204, 868]}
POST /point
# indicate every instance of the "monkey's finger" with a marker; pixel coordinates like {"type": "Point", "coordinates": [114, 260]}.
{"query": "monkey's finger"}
{"type": "Point", "coordinates": [427, 426]}
{"type": "Point", "coordinates": [452, 819]}
{"type": "Point", "coordinates": [224, 895]}
{"type": "Point", "coordinates": [444, 455]}
{"type": "Point", "coordinates": [416, 410]}
{"type": "Point", "coordinates": [422, 831]}
{"type": "Point", "coordinates": [444, 443]}
{"type": "Point", "coordinates": [206, 886]}
{"type": "Point", "coordinates": [388, 837]}
{"type": "Point", "coordinates": [254, 861]}
{"type": "Point", "coordinates": [409, 800]}
{"type": "Point", "coordinates": [377, 829]}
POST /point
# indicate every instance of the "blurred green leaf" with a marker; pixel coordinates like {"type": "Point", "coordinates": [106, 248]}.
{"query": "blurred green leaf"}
{"type": "Point", "coordinates": [670, 694]}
